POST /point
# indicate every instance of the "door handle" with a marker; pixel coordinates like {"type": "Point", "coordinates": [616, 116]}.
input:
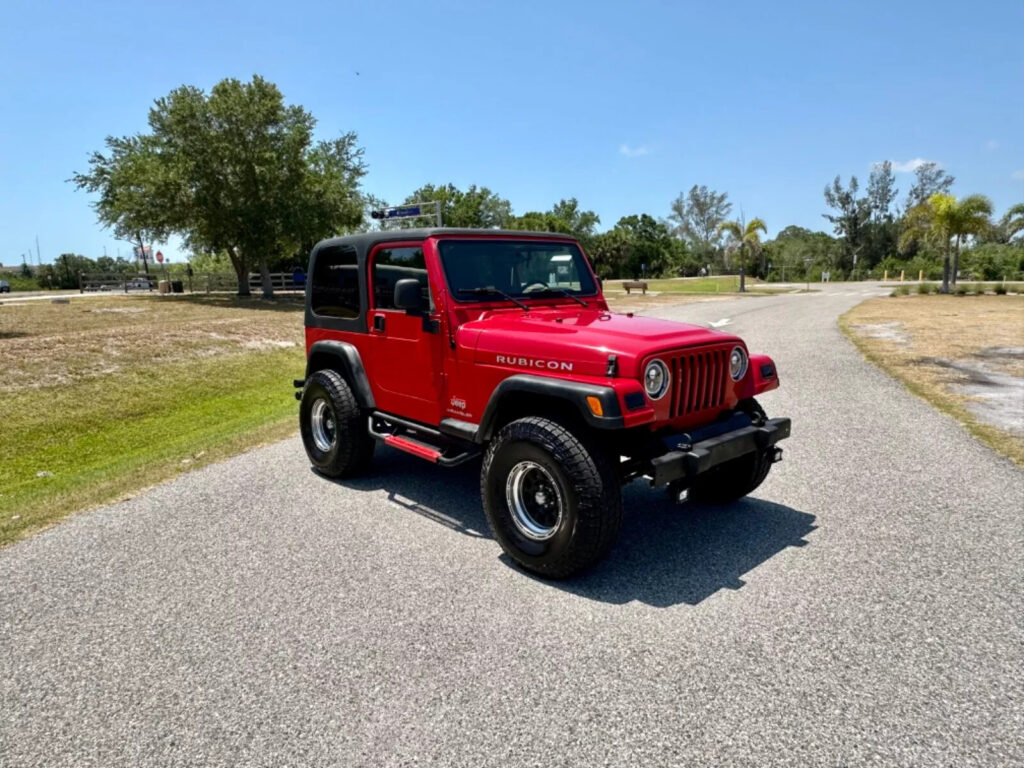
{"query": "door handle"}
{"type": "Point", "coordinates": [378, 322]}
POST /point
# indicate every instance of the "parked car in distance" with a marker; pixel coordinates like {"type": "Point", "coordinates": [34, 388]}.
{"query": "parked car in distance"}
{"type": "Point", "coordinates": [139, 283]}
{"type": "Point", "coordinates": [5, 287]}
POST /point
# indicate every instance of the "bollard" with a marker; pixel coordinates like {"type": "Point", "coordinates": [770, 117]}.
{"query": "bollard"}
{"type": "Point", "coordinates": [885, 277]}
{"type": "Point", "coordinates": [902, 274]}
{"type": "Point", "coordinates": [920, 276]}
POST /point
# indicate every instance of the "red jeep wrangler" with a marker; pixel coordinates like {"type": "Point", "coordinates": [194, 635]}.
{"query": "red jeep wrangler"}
{"type": "Point", "coordinates": [449, 343]}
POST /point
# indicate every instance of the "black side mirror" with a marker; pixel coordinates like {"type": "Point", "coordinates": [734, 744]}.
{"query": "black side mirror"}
{"type": "Point", "coordinates": [409, 295]}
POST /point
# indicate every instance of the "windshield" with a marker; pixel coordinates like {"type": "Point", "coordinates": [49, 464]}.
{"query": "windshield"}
{"type": "Point", "coordinates": [519, 269]}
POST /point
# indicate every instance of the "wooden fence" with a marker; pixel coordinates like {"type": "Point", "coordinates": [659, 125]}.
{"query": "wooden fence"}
{"type": "Point", "coordinates": [215, 282]}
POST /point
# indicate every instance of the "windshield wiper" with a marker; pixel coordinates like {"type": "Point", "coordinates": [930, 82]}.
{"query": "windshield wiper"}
{"type": "Point", "coordinates": [490, 289]}
{"type": "Point", "coordinates": [563, 292]}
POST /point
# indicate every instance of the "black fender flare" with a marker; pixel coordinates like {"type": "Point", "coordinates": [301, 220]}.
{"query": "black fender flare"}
{"type": "Point", "coordinates": [344, 358]}
{"type": "Point", "coordinates": [574, 392]}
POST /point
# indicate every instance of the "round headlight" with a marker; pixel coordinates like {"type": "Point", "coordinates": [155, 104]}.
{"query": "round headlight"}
{"type": "Point", "coordinates": [737, 363]}
{"type": "Point", "coordinates": [656, 380]}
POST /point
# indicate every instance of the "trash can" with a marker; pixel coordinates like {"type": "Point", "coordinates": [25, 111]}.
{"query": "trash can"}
{"type": "Point", "coordinates": [177, 286]}
{"type": "Point", "coordinates": [164, 286]}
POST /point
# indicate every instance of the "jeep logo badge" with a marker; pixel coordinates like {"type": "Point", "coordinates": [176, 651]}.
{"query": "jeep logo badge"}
{"type": "Point", "coordinates": [525, 362]}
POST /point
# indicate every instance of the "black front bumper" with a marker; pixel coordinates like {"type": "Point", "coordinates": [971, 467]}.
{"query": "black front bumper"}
{"type": "Point", "coordinates": [691, 460]}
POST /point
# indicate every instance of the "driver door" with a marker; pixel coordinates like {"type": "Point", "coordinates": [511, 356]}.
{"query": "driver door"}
{"type": "Point", "coordinates": [407, 347]}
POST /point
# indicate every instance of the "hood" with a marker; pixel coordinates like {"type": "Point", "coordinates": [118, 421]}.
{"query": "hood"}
{"type": "Point", "coordinates": [577, 340]}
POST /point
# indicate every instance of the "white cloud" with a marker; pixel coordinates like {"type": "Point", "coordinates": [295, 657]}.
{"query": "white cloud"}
{"type": "Point", "coordinates": [627, 151]}
{"type": "Point", "coordinates": [910, 165]}
{"type": "Point", "coordinates": [1018, 175]}
{"type": "Point", "coordinates": [991, 144]}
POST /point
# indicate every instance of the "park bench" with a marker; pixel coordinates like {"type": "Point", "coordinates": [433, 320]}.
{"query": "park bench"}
{"type": "Point", "coordinates": [640, 285]}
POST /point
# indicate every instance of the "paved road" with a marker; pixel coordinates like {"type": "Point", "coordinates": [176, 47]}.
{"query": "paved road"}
{"type": "Point", "coordinates": [864, 609]}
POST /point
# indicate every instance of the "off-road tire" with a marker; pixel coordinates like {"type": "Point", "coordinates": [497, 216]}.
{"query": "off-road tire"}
{"type": "Point", "coordinates": [588, 490]}
{"type": "Point", "coordinates": [734, 479]}
{"type": "Point", "coordinates": [347, 449]}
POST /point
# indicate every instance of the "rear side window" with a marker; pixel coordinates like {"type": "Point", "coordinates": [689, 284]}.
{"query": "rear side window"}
{"type": "Point", "coordinates": [334, 286]}
{"type": "Point", "coordinates": [393, 264]}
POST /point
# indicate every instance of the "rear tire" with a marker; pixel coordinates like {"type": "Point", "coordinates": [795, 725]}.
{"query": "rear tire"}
{"type": "Point", "coordinates": [553, 504]}
{"type": "Point", "coordinates": [333, 428]}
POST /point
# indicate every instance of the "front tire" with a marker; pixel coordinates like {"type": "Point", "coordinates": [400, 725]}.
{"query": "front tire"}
{"type": "Point", "coordinates": [740, 477]}
{"type": "Point", "coordinates": [332, 426]}
{"type": "Point", "coordinates": [553, 504]}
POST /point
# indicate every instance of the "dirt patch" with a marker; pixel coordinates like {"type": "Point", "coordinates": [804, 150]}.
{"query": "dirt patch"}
{"type": "Point", "coordinates": [994, 397]}
{"type": "Point", "coordinates": [964, 354]}
{"type": "Point", "coordinates": [888, 331]}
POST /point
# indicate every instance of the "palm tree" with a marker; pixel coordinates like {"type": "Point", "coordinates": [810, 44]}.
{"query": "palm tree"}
{"type": "Point", "coordinates": [1013, 221]}
{"type": "Point", "coordinates": [743, 238]}
{"type": "Point", "coordinates": [948, 222]}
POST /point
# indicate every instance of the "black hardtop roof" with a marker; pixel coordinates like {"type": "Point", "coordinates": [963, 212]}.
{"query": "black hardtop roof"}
{"type": "Point", "coordinates": [365, 240]}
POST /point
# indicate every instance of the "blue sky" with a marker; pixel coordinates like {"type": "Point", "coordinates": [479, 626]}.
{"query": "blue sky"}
{"type": "Point", "coordinates": [621, 105]}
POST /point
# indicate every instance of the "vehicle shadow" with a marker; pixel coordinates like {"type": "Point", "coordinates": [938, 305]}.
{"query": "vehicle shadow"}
{"type": "Point", "coordinates": [284, 302]}
{"type": "Point", "coordinates": [666, 553]}
{"type": "Point", "coordinates": [669, 553]}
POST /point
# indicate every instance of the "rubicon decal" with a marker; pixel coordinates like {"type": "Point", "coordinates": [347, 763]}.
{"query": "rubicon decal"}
{"type": "Point", "coordinates": [529, 362]}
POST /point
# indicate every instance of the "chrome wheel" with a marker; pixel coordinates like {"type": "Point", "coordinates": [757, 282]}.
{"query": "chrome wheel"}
{"type": "Point", "coordinates": [321, 420]}
{"type": "Point", "coordinates": [534, 500]}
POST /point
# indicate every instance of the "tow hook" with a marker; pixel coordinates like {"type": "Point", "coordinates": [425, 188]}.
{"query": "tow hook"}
{"type": "Point", "coordinates": [678, 493]}
{"type": "Point", "coordinates": [776, 455]}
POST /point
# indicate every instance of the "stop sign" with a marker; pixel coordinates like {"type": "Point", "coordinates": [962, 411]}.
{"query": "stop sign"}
{"type": "Point", "coordinates": [160, 256]}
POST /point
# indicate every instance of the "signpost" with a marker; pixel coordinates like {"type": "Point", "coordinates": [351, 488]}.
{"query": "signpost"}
{"type": "Point", "coordinates": [410, 211]}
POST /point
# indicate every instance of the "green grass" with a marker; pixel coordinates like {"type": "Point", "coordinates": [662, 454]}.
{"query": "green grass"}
{"type": "Point", "coordinates": [720, 284]}
{"type": "Point", "coordinates": [19, 283]}
{"type": "Point", "coordinates": [723, 284]}
{"type": "Point", "coordinates": [106, 437]}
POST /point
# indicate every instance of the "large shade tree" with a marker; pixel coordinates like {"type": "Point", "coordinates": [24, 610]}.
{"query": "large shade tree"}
{"type": "Point", "coordinates": [235, 171]}
{"type": "Point", "coordinates": [947, 222]}
{"type": "Point", "coordinates": [744, 239]}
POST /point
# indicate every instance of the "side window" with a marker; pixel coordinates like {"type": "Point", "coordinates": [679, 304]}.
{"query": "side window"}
{"type": "Point", "coordinates": [334, 287]}
{"type": "Point", "coordinates": [393, 264]}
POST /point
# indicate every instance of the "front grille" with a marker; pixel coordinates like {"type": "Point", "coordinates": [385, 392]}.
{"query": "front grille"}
{"type": "Point", "coordinates": [699, 379]}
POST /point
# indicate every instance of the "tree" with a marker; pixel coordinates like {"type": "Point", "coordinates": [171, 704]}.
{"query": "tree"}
{"type": "Point", "coordinates": [581, 223]}
{"type": "Point", "coordinates": [124, 179]}
{"type": "Point", "coordinates": [476, 208]}
{"type": "Point", "coordinates": [651, 249]}
{"type": "Point", "coordinates": [697, 216]}
{"type": "Point", "coordinates": [882, 191]}
{"type": "Point", "coordinates": [1012, 222]}
{"type": "Point", "coordinates": [63, 273]}
{"type": "Point", "coordinates": [947, 221]}
{"type": "Point", "coordinates": [852, 214]}
{"type": "Point", "coordinates": [797, 252]}
{"type": "Point", "coordinates": [931, 180]}
{"type": "Point", "coordinates": [235, 171]}
{"type": "Point", "coordinates": [537, 221]}
{"type": "Point", "coordinates": [565, 216]}
{"type": "Point", "coordinates": [744, 238]}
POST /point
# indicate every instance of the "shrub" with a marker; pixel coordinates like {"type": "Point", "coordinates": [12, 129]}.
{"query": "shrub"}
{"type": "Point", "coordinates": [1000, 290]}
{"type": "Point", "coordinates": [960, 289]}
{"type": "Point", "coordinates": [926, 288]}
{"type": "Point", "coordinates": [978, 289]}
{"type": "Point", "coordinates": [901, 290]}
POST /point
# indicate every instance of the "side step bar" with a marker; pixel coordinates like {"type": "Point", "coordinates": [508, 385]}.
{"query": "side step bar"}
{"type": "Point", "coordinates": [418, 444]}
